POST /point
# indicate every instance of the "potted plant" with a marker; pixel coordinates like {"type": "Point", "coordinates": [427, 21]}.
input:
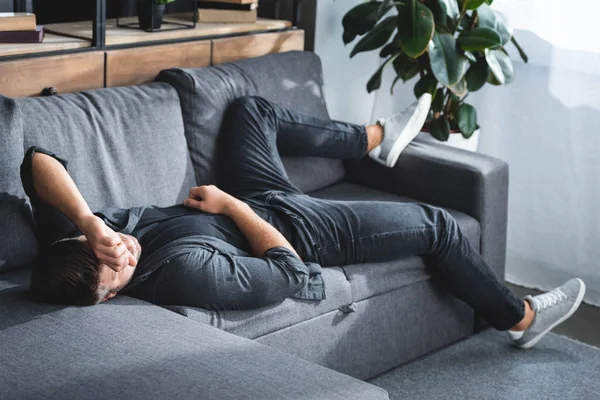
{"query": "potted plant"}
{"type": "Point", "coordinates": [454, 46]}
{"type": "Point", "coordinates": [150, 13]}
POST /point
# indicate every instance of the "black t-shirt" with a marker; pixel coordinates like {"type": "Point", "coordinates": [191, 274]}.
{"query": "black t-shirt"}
{"type": "Point", "coordinates": [167, 233]}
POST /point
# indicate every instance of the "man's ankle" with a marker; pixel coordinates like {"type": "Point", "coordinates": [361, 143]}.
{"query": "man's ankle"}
{"type": "Point", "coordinates": [527, 319]}
{"type": "Point", "coordinates": [374, 136]}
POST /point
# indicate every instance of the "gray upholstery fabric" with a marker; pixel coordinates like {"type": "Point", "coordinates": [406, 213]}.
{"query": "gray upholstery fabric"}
{"type": "Point", "coordinates": [293, 80]}
{"type": "Point", "coordinates": [384, 332]}
{"type": "Point", "coordinates": [129, 349]}
{"type": "Point", "coordinates": [18, 244]}
{"type": "Point", "coordinates": [472, 183]}
{"type": "Point", "coordinates": [125, 146]}
{"type": "Point", "coordinates": [15, 279]}
{"type": "Point", "coordinates": [254, 323]}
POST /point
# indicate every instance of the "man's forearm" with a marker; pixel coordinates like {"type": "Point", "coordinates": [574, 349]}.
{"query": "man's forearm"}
{"type": "Point", "coordinates": [261, 235]}
{"type": "Point", "coordinates": [54, 186]}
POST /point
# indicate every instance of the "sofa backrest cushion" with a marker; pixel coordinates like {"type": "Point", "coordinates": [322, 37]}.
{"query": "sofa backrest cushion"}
{"type": "Point", "coordinates": [293, 80]}
{"type": "Point", "coordinates": [18, 244]}
{"type": "Point", "coordinates": [125, 146]}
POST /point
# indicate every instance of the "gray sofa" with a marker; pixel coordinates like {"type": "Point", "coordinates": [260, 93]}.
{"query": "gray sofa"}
{"type": "Point", "coordinates": [148, 144]}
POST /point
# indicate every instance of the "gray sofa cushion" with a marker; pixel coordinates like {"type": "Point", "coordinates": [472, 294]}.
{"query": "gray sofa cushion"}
{"type": "Point", "coordinates": [129, 349]}
{"type": "Point", "coordinates": [385, 331]}
{"type": "Point", "coordinates": [125, 146]}
{"type": "Point", "coordinates": [18, 244]}
{"type": "Point", "coordinates": [293, 80]}
{"type": "Point", "coordinates": [255, 323]}
{"type": "Point", "coordinates": [371, 279]}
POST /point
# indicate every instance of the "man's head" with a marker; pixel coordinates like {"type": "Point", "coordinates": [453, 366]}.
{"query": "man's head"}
{"type": "Point", "coordinates": [69, 273]}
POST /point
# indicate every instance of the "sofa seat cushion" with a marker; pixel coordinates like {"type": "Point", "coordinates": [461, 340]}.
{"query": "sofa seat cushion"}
{"type": "Point", "coordinates": [125, 146]}
{"type": "Point", "coordinates": [254, 323]}
{"type": "Point", "coordinates": [371, 279]}
{"type": "Point", "coordinates": [17, 235]}
{"type": "Point", "coordinates": [293, 80]}
{"type": "Point", "coordinates": [129, 349]}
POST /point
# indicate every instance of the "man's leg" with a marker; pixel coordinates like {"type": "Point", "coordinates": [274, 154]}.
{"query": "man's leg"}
{"type": "Point", "coordinates": [256, 132]}
{"type": "Point", "coordinates": [385, 231]}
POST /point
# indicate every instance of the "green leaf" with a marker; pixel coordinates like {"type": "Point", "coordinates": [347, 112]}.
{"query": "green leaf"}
{"type": "Point", "coordinates": [479, 39]}
{"type": "Point", "coordinates": [429, 119]}
{"type": "Point", "coordinates": [493, 19]}
{"type": "Point", "coordinates": [466, 115]}
{"type": "Point", "coordinates": [470, 56]}
{"type": "Point", "coordinates": [377, 37]}
{"type": "Point", "coordinates": [396, 80]}
{"type": "Point", "coordinates": [389, 49]}
{"type": "Point", "coordinates": [360, 20]}
{"type": "Point", "coordinates": [415, 28]}
{"type": "Point", "coordinates": [451, 7]}
{"type": "Point", "coordinates": [473, 4]}
{"type": "Point", "coordinates": [375, 81]}
{"type": "Point", "coordinates": [492, 79]}
{"type": "Point", "coordinates": [426, 84]}
{"type": "Point", "coordinates": [520, 49]}
{"type": "Point", "coordinates": [500, 65]}
{"type": "Point", "coordinates": [477, 75]}
{"type": "Point", "coordinates": [454, 98]}
{"type": "Point", "coordinates": [459, 88]}
{"type": "Point", "coordinates": [406, 67]}
{"type": "Point", "coordinates": [438, 9]}
{"type": "Point", "coordinates": [489, 2]}
{"type": "Point", "coordinates": [447, 64]}
{"type": "Point", "coordinates": [386, 6]}
{"type": "Point", "coordinates": [440, 129]}
{"type": "Point", "coordinates": [466, 22]}
{"type": "Point", "coordinates": [437, 103]}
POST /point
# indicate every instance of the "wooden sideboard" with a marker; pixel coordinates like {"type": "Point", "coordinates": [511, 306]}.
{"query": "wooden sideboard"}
{"type": "Point", "coordinates": [130, 66]}
{"type": "Point", "coordinates": [248, 46]}
{"type": "Point", "coordinates": [66, 73]}
{"type": "Point", "coordinates": [142, 64]}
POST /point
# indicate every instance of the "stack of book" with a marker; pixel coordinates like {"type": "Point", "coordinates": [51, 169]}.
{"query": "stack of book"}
{"type": "Point", "coordinates": [20, 28]}
{"type": "Point", "coordinates": [237, 11]}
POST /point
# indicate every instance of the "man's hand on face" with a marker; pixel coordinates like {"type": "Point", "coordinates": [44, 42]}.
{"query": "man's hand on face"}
{"type": "Point", "coordinates": [113, 249]}
{"type": "Point", "coordinates": [209, 199]}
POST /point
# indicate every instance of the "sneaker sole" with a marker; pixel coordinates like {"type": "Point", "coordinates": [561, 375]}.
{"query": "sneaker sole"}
{"type": "Point", "coordinates": [574, 308]}
{"type": "Point", "coordinates": [410, 131]}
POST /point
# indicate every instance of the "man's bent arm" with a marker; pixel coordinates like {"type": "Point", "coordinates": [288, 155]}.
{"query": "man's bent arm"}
{"type": "Point", "coordinates": [261, 235]}
{"type": "Point", "coordinates": [54, 186]}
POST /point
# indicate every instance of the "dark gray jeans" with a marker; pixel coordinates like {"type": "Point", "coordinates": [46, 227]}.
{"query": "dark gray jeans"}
{"type": "Point", "coordinates": [337, 233]}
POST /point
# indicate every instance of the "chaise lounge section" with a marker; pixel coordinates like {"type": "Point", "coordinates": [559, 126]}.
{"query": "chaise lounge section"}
{"type": "Point", "coordinates": [148, 144]}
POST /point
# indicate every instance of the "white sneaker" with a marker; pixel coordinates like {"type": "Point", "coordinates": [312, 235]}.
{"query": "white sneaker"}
{"type": "Point", "coordinates": [400, 130]}
{"type": "Point", "coordinates": [551, 309]}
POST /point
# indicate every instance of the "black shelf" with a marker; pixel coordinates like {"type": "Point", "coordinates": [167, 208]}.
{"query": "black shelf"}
{"type": "Point", "coordinates": [99, 19]}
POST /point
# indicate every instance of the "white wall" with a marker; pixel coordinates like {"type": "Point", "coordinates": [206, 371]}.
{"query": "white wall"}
{"type": "Point", "coordinates": [345, 79]}
{"type": "Point", "coordinates": [546, 125]}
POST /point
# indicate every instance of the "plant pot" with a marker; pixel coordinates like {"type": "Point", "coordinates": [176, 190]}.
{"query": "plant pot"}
{"type": "Point", "coordinates": [150, 15]}
{"type": "Point", "coordinates": [456, 139]}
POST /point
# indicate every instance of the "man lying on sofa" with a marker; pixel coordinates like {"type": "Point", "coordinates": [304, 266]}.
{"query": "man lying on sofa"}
{"type": "Point", "coordinates": [258, 240]}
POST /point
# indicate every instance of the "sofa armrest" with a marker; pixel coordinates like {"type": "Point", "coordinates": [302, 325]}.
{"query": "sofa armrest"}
{"type": "Point", "coordinates": [431, 172]}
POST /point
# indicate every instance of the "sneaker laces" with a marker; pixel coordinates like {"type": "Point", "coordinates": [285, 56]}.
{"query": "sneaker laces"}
{"type": "Point", "coordinates": [549, 299]}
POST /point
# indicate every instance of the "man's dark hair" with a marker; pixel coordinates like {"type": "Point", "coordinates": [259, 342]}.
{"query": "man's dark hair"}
{"type": "Point", "coordinates": [68, 273]}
